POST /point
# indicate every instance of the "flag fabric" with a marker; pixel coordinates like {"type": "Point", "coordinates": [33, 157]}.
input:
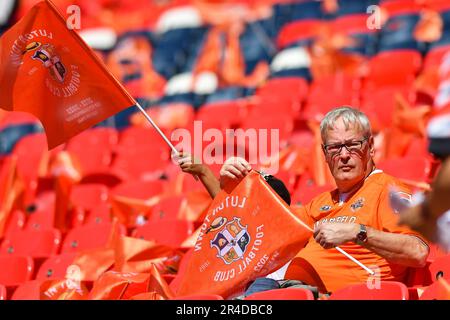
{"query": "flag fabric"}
{"type": "Point", "coordinates": [138, 255]}
{"type": "Point", "coordinates": [248, 232]}
{"type": "Point", "coordinates": [11, 189]}
{"type": "Point", "coordinates": [66, 173]}
{"type": "Point", "coordinates": [48, 70]}
{"type": "Point", "coordinates": [114, 285]}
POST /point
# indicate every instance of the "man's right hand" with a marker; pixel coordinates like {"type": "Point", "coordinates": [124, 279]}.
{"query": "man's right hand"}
{"type": "Point", "coordinates": [234, 170]}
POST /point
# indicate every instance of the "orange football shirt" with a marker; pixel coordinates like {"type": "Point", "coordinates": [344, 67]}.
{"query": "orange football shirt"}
{"type": "Point", "coordinates": [328, 269]}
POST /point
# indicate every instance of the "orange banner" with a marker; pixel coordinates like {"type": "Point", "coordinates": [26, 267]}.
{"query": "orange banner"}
{"type": "Point", "coordinates": [47, 70]}
{"type": "Point", "coordinates": [247, 233]}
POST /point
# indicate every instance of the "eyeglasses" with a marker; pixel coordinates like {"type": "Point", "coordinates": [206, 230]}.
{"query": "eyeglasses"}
{"type": "Point", "coordinates": [351, 146]}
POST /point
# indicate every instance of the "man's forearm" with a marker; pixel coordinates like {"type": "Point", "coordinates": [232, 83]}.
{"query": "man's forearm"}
{"type": "Point", "coordinates": [397, 248]}
{"type": "Point", "coordinates": [210, 181]}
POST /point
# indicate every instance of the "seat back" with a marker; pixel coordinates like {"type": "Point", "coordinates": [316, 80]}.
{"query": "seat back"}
{"type": "Point", "coordinates": [387, 290]}
{"type": "Point", "coordinates": [2, 292]}
{"type": "Point", "coordinates": [89, 237]}
{"type": "Point", "coordinates": [33, 243]}
{"type": "Point", "coordinates": [440, 267]}
{"type": "Point", "coordinates": [436, 291]}
{"type": "Point", "coordinates": [55, 267]}
{"type": "Point", "coordinates": [282, 294]}
{"type": "Point", "coordinates": [15, 270]}
{"type": "Point", "coordinates": [30, 290]}
{"type": "Point", "coordinates": [167, 232]}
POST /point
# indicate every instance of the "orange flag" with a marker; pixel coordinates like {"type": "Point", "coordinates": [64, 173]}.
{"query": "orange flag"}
{"type": "Point", "coordinates": [11, 189]}
{"type": "Point", "coordinates": [247, 233]}
{"type": "Point", "coordinates": [114, 285]}
{"type": "Point", "coordinates": [66, 174]}
{"type": "Point", "coordinates": [47, 70]}
{"type": "Point", "coordinates": [137, 255]}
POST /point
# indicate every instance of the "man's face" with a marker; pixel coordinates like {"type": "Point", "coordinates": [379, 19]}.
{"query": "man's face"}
{"type": "Point", "coordinates": [347, 167]}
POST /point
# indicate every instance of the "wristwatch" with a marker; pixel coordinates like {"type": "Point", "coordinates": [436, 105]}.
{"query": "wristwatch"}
{"type": "Point", "coordinates": [361, 237]}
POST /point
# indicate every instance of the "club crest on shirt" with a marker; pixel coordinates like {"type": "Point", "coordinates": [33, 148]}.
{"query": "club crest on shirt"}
{"type": "Point", "coordinates": [325, 208]}
{"type": "Point", "coordinates": [231, 241]}
{"type": "Point", "coordinates": [358, 204]}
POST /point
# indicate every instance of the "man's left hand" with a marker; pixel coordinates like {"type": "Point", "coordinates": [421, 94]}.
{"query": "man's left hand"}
{"type": "Point", "coordinates": [330, 235]}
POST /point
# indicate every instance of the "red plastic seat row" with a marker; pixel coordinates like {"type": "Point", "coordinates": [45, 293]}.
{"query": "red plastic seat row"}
{"type": "Point", "coordinates": [383, 290]}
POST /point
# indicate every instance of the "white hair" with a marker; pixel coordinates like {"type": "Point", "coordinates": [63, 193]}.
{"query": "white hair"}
{"type": "Point", "coordinates": [351, 118]}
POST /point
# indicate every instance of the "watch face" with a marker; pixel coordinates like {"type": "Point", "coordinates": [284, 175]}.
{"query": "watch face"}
{"type": "Point", "coordinates": [362, 236]}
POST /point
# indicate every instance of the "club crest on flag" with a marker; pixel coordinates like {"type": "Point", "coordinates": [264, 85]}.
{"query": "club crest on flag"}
{"type": "Point", "coordinates": [231, 241]}
{"type": "Point", "coordinates": [46, 54]}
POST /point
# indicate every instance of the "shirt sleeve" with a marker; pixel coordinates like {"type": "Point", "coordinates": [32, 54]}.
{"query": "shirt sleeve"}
{"type": "Point", "coordinates": [390, 218]}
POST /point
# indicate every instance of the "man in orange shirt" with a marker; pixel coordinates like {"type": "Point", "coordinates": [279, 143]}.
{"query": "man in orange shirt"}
{"type": "Point", "coordinates": [356, 216]}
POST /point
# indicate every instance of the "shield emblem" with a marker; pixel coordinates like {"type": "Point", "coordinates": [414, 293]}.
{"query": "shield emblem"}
{"type": "Point", "coordinates": [231, 241]}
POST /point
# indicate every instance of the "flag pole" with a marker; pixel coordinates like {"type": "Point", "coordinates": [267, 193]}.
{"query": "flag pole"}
{"type": "Point", "coordinates": [157, 128]}
{"type": "Point", "coordinates": [174, 151]}
{"type": "Point", "coordinates": [371, 272]}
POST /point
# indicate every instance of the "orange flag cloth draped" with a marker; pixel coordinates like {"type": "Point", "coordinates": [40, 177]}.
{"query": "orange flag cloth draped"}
{"type": "Point", "coordinates": [47, 70]}
{"type": "Point", "coordinates": [246, 234]}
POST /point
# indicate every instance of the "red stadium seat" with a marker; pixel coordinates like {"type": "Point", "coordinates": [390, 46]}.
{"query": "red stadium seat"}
{"type": "Point", "coordinates": [15, 223]}
{"type": "Point", "coordinates": [93, 149]}
{"type": "Point", "coordinates": [139, 189]}
{"type": "Point", "coordinates": [434, 292]}
{"type": "Point", "coordinates": [267, 107]}
{"type": "Point", "coordinates": [284, 89]}
{"type": "Point", "coordinates": [167, 209]}
{"type": "Point", "coordinates": [282, 294]}
{"type": "Point", "coordinates": [297, 31]}
{"type": "Point", "coordinates": [109, 179]}
{"type": "Point", "coordinates": [388, 290]}
{"type": "Point", "coordinates": [200, 297]}
{"type": "Point", "coordinates": [88, 196]}
{"type": "Point", "coordinates": [42, 216]}
{"type": "Point", "coordinates": [398, 7]}
{"type": "Point", "coordinates": [101, 214]}
{"type": "Point", "coordinates": [89, 237]}
{"type": "Point", "coordinates": [440, 267]}
{"type": "Point", "coordinates": [55, 267]}
{"type": "Point", "coordinates": [221, 115]}
{"type": "Point", "coordinates": [15, 270]}
{"type": "Point", "coordinates": [33, 243]}
{"type": "Point", "coordinates": [170, 233]}
{"type": "Point", "coordinates": [340, 90]}
{"type": "Point", "coordinates": [136, 163]}
{"type": "Point", "coordinates": [30, 290]}
{"type": "Point", "coordinates": [143, 138]}
{"type": "Point", "coordinates": [354, 23]}
{"type": "Point", "coordinates": [434, 57]}
{"type": "Point", "coordinates": [379, 105]}
{"type": "Point", "coordinates": [405, 62]}
{"type": "Point", "coordinates": [408, 168]}
{"type": "Point", "coordinates": [2, 292]}
{"type": "Point", "coordinates": [31, 153]}
{"type": "Point", "coordinates": [283, 122]}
